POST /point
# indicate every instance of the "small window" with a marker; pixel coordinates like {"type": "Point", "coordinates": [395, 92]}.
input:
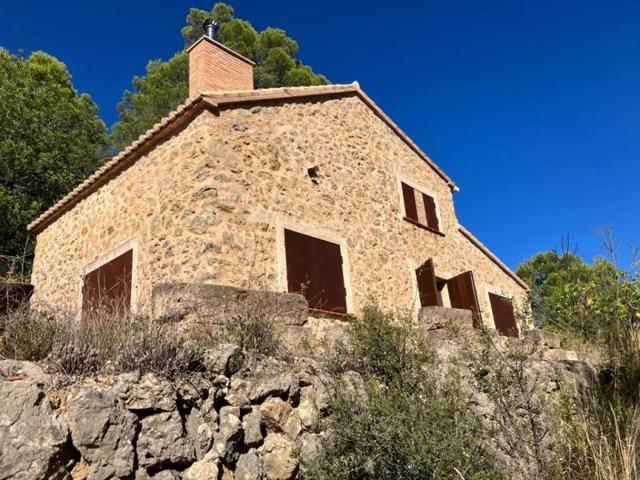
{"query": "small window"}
{"type": "Point", "coordinates": [107, 289]}
{"type": "Point", "coordinates": [420, 208]}
{"type": "Point", "coordinates": [503, 315]}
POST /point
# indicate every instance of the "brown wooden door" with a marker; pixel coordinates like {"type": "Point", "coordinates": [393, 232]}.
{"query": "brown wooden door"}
{"type": "Point", "coordinates": [427, 285]}
{"type": "Point", "coordinates": [314, 269]}
{"type": "Point", "coordinates": [503, 315]}
{"type": "Point", "coordinates": [108, 288]}
{"type": "Point", "coordinates": [462, 293]}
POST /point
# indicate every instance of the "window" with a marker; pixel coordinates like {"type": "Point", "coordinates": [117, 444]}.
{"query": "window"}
{"type": "Point", "coordinates": [420, 208]}
{"type": "Point", "coordinates": [458, 291]}
{"type": "Point", "coordinates": [462, 294]}
{"type": "Point", "coordinates": [428, 288]}
{"type": "Point", "coordinates": [503, 315]}
{"type": "Point", "coordinates": [108, 287]}
{"type": "Point", "coordinates": [314, 269]}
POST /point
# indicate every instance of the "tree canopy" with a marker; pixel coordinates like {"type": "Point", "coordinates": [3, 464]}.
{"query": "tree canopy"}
{"type": "Point", "coordinates": [50, 139]}
{"type": "Point", "coordinates": [581, 301]}
{"type": "Point", "coordinates": [165, 85]}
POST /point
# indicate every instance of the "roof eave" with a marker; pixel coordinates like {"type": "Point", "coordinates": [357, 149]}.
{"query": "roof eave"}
{"type": "Point", "coordinates": [121, 161]}
{"type": "Point", "coordinates": [492, 256]}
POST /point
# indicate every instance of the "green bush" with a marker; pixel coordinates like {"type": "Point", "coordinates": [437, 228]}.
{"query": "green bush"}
{"type": "Point", "coordinates": [384, 346]}
{"type": "Point", "coordinates": [596, 305]}
{"type": "Point", "coordinates": [406, 422]}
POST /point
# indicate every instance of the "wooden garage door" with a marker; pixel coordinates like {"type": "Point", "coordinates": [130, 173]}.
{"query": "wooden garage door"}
{"type": "Point", "coordinates": [503, 315]}
{"type": "Point", "coordinates": [462, 293]}
{"type": "Point", "coordinates": [427, 285]}
{"type": "Point", "coordinates": [314, 269]}
{"type": "Point", "coordinates": [108, 288]}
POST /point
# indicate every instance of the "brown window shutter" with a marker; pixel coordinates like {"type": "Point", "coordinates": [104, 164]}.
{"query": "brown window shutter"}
{"type": "Point", "coordinates": [462, 293]}
{"type": "Point", "coordinates": [410, 208]}
{"type": "Point", "coordinates": [503, 315]}
{"type": "Point", "coordinates": [314, 269]}
{"type": "Point", "coordinates": [108, 288]}
{"type": "Point", "coordinates": [427, 287]}
{"type": "Point", "coordinates": [430, 210]}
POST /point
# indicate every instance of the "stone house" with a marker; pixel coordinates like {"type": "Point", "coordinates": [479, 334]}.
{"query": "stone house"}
{"type": "Point", "coordinates": [303, 189]}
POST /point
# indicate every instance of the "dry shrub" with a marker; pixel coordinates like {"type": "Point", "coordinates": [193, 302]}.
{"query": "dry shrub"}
{"type": "Point", "coordinates": [103, 342]}
{"type": "Point", "coordinates": [253, 333]}
{"type": "Point", "coordinates": [504, 369]}
{"type": "Point", "coordinates": [75, 358]}
{"type": "Point", "coordinates": [157, 347]}
{"type": "Point", "coordinates": [90, 344]}
{"type": "Point", "coordinates": [610, 454]}
{"type": "Point", "coordinates": [27, 335]}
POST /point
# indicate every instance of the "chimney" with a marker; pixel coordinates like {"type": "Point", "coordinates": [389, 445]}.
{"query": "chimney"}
{"type": "Point", "coordinates": [216, 68]}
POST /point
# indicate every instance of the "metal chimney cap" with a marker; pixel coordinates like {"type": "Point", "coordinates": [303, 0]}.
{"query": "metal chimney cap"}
{"type": "Point", "coordinates": [211, 28]}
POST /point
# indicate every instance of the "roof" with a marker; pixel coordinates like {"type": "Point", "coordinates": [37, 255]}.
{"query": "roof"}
{"type": "Point", "coordinates": [469, 236]}
{"type": "Point", "coordinates": [189, 110]}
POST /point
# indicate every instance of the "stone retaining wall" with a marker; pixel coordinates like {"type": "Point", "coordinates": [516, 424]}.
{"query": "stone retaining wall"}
{"type": "Point", "coordinates": [217, 303]}
{"type": "Point", "coordinates": [238, 417]}
{"type": "Point", "coordinates": [248, 421]}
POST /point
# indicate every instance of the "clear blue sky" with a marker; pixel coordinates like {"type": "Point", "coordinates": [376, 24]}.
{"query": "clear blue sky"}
{"type": "Point", "coordinates": [533, 108]}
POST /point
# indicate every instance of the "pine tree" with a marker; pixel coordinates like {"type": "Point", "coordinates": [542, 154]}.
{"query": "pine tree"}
{"type": "Point", "coordinates": [165, 85]}
{"type": "Point", "coordinates": [51, 138]}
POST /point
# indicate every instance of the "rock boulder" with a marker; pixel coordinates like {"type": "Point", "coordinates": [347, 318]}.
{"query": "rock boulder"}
{"type": "Point", "coordinates": [103, 432]}
{"type": "Point", "coordinates": [32, 435]}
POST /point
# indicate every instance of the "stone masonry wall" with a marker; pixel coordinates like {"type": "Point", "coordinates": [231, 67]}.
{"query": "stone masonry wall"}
{"type": "Point", "coordinates": [209, 205]}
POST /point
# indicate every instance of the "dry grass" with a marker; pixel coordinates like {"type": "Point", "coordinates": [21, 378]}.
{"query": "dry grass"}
{"type": "Point", "coordinates": [600, 448]}
{"type": "Point", "coordinates": [110, 340]}
{"type": "Point", "coordinates": [107, 342]}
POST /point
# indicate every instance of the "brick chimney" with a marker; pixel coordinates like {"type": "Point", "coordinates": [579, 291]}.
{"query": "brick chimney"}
{"type": "Point", "coordinates": [216, 68]}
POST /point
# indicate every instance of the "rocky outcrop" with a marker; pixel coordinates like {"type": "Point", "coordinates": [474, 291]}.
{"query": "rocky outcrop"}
{"type": "Point", "coordinates": [280, 462]}
{"type": "Point", "coordinates": [229, 421]}
{"type": "Point", "coordinates": [32, 435]}
{"type": "Point", "coordinates": [103, 431]}
{"type": "Point", "coordinates": [16, 370]}
{"type": "Point", "coordinates": [163, 443]}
